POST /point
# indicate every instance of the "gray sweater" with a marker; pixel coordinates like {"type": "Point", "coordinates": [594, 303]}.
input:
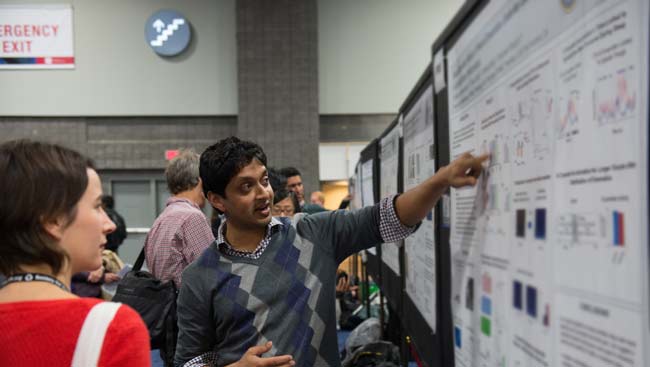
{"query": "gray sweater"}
{"type": "Point", "coordinates": [228, 304]}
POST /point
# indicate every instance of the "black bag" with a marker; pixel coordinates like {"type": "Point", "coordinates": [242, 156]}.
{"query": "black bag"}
{"type": "Point", "coordinates": [155, 301]}
{"type": "Point", "coordinates": [376, 354]}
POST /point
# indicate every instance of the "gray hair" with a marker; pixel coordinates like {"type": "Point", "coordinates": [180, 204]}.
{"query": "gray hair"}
{"type": "Point", "coordinates": [182, 172]}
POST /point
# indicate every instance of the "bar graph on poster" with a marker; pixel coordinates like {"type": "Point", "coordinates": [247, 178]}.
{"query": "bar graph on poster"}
{"type": "Point", "coordinates": [549, 250]}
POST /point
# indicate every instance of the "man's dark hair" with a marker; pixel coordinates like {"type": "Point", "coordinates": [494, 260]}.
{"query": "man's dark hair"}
{"type": "Point", "coordinates": [276, 179]}
{"type": "Point", "coordinates": [41, 182]}
{"type": "Point", "coordinates": [108, 202]}
{"type": "Point", "coordinates": [222, 161]}
{"type": "Point", "coordinates": [290, 172]}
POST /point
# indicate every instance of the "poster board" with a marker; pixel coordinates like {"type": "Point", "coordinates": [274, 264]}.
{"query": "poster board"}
{"type": "Point", "coordinates": [369, 172]}
{"type": "Point", "coordinates": [419, 270]}
{"type": "Point", "coordinates": [549, 252]}
{"type": "Point", "coordinates": [390, 183]}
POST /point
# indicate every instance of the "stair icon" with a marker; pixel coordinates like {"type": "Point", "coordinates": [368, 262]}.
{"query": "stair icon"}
{"type": "Point", "coordinates": [164, 36]}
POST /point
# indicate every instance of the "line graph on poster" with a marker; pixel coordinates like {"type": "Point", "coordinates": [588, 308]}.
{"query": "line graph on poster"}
{"type": "Point", "coordinates": [569, 119]}
{"type": "Point", "coordinates": [532, 117]}
{"type": "Point", "coordinates": [615, 97]}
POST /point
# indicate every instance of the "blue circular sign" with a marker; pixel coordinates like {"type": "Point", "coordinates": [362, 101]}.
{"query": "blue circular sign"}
{"type": "Point", "coordinates": [167, 32]}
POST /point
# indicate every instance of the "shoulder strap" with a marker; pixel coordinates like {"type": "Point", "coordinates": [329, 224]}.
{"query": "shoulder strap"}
{"type": "Point", "coordinates": [139, 261]}
{"type": "Point", "coordinates": [91, 338]}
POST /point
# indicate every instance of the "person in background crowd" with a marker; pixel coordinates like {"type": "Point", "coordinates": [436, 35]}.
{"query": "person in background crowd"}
{"type": "Point", "coordinates": [316, 205]}
{"type": "Point", "coordinates": [347, 301]}
{"type": "Point", "coordinates": [181, 232]}
{"type": "Point", "coordinates": [317, 198]}
{"type": "Point", "coordinates": [48, 235]}
{"type": "Point", "coordinates": [89, 283]}
{"type": "Point", "coordinates": [285, 204]}
{"type": "Point", "coordinates": [118, 236]}
{"type": "Point", "coordinates": [277, 180]}
{"type": "Point", "coordinates": [294, 183]}
{"type": "Point", "coordinates": [264, 292]}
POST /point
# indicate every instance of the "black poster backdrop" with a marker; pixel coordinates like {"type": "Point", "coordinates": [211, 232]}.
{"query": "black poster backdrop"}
{"type": "Point", "coordinates": [425, 341]}
{"type": "Point", "coordinates": [370, 152]}
{"type": "Point", "coordinates": [392, 283]}
{"type": "Point", "coordinates": [436, 348]}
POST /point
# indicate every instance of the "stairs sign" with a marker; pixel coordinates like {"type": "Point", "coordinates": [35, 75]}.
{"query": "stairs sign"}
{"type": "Point", "coordinates": [167, 32]}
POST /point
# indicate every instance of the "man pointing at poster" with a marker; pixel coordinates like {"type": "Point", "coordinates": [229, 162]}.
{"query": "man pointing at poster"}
{"type": "Point", "coordinates": [263, 293]}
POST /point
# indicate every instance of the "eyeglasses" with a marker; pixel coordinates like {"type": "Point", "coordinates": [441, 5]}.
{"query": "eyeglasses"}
{"type": "Point", "coordinates": [285, 210]}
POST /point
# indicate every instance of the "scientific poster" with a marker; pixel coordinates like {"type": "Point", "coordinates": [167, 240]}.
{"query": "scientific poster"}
{"type": "Point", "coordinates": [389, 164]}
{"type": "Point", "coordinates": [368, 192]}
{"type": "Point", "coordinates": [549, 250]}
{"type": "Point", "coordinates": [419, 165]}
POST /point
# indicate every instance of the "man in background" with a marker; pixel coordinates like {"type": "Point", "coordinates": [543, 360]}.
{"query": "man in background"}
{"type": "Point", "coordinates": [317, 203]}
{"type": "Point", "coordinates": [294, 183]}
{"type": "Point", "coordinates": [181, 232]}
{"type": "Point", "coordinates": [317, 198]}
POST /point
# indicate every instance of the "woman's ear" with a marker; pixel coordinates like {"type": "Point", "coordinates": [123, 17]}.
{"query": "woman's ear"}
{"type": "Point", "coordinates": [216, 201]}
{"type": "Point", "coordinates": [54, 228]}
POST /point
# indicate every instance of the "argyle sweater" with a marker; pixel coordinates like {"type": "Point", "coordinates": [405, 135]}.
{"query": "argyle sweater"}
{"type": "Point", "coordinates": [228, 304]}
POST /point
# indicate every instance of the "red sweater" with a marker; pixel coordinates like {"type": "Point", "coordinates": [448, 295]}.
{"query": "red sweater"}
{"type": "Point", "coordinates": [44, 333]}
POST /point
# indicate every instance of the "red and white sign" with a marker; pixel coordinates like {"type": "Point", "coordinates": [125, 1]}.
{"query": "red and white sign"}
{"type": "Point", "coordinates": [36, 37]}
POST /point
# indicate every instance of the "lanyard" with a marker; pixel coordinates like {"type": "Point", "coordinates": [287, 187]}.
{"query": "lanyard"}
{"type": "Point", "coordinates": [34, 277]}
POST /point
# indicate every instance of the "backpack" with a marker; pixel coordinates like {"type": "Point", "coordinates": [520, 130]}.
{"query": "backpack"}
{"type": "Point", "coordinates": [374, 354]}
{"type": "Point", "coordinates": [155, 301]}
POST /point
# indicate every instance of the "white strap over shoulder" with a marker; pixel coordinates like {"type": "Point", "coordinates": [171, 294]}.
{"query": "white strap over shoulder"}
{"type": "Point", "coordinates": [91, 338]}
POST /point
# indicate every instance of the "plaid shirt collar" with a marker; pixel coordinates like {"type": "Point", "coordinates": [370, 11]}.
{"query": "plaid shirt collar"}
{"type": "Point", "coordinates": [174, 200]}
{"type": "Point", "coordinates": [273, 226]}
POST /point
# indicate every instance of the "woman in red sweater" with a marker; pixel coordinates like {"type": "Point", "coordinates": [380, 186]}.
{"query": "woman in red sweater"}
{"type": "Point", "coordinates": [52, 225]}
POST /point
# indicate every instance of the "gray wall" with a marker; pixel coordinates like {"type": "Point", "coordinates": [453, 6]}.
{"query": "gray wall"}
{"type": "Point", "coordinates": [118, 74]}
{"type": "Point", "coordinates": [371, 52]}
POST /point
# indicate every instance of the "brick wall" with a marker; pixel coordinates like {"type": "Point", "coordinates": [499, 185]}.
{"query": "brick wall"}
{"type": "Point", "coordinates": [122, 142]}
{"type": "Point", "coordinates": [277, 50]}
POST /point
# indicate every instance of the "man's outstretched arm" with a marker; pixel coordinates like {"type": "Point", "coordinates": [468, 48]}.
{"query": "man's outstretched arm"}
{"type": "Point", "coordinates": [412, 206]}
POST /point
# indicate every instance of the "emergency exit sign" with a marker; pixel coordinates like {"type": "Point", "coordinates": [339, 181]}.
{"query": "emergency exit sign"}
{"type": "Point", "coordinates": [36, 37]}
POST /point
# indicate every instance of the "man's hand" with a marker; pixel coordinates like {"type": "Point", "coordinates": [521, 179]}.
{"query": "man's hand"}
{"type": "Point", "coordinates": [110, 278]}
{"type": "Point", "coordinates": [415, 204]}
{"type": "Point", "coordinates": [464, 170]}
{"type": "Point", "coordinates": [96, 276]}
{"type": "Point", "coordinates": [252, 358]}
